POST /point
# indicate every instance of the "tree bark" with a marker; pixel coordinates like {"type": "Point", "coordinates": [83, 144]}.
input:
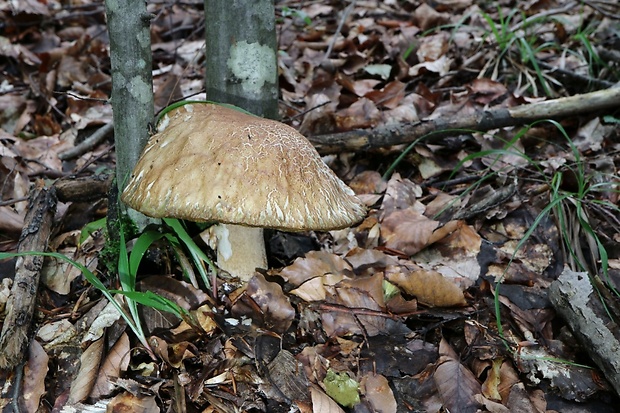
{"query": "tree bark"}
{"type": "Point", "coordinates": [359, 140]}
{"type": "Point", "coordinates": [17, 327]}
{"type": "Point", "coordinates": [132, 85]}
{"type": "Point", "coordinates": [575, 300]}
{"type": "Point", "coordinates": [241, 55]}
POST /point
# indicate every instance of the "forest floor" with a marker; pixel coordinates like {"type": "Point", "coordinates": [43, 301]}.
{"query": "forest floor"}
{"type": "Point", "coordinates": [441, 299]}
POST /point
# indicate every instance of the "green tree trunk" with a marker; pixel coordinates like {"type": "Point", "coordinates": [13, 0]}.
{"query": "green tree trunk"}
{"type": "Point", "coordinates": [241, 55]}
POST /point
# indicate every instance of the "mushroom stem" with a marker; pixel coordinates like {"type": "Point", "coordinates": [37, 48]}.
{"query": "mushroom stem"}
{"type": "Point", "coordinates": [240, 250]}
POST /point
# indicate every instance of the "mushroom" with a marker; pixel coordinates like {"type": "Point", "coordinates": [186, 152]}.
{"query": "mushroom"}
{"type": "Point", "coordinates": [211, 163]}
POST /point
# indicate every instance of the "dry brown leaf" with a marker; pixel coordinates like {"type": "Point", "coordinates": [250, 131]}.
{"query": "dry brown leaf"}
{"type": "Point", "coordinates": [401, 193]}
{"type": "Point", "coordinates": [275, 310]}
{"type": "Point", "coordinates": [368, 182]}
{"type": "Point", "coordinates": [519, 400]}
{"type": "Point", "coordinates": [205, 322]}
{"type": "Point", "coordinates": [372, 285]}
{"type": "Point", "coordinates": [86, 377]}
{"type": "Point", "coordinates": [508, 378]}
{"type": "Point", "coordinates": [362, 114]}
{"type": "Point", "coordinates": [390, 96]}
{"type": "Point", "coordinates": [440, 66]}
{"type": "Point", "coordinates": [315, 364]}
{"type": "Point", "coordinates": [30, 7]}
{"type": "Point", "coordinates": [442, 203]}
{"type": "Point", "coordinates": [43, 153]}
{"type": "Point", "coordinates": [490, 387]}
{"type": "Point", "coordinates": [59, 275]}
{"type": "Point", "coordinates": [45, 125]}
{"type": "Point", "coordinates": [484, 91]}
{"type": "Point", "coordinates": [427, 17]}
{"type": "Point", "coordinates": [377, 391]}
{"type": "Point", "coordinates": [321, 117]}
{"type": "Point", "coordinates": [312, 290]}
{"type": "Point", "coordinates": [491, 406]}
{"type": "Point", "coordinates": [12, 107]}
{"type": "Point", "coordinates": [407, 230]}
{"type": "Point", "coordinates": [454, 254]}
{"type": "Point", "coordinates": [173, 353]}
{"type": "Point", "coordinates": [405, 112]}
{"type": "Point", "coordinates": [127, 402]}
{"type": "Point", "coordinates": [322, 403]}
{"type": "Point", "coordinates": [452, 6]}
{"type": "Point", "coordinates": [456, 385]}
{"type": "Point", "coordinates": [11, 222]}
{"type": "Point", "coordinates": [429, 287]}
{"type": "Point", "coordinates": [349, 317]}
{"type": "Point", "coordinates": [369, 261]}
{"type": "Point", "coordinates": [35, 370]}
{"type": "Point", "coordinates": [115, 362]}
{"type": "Point", "coordinates": [314, 264]}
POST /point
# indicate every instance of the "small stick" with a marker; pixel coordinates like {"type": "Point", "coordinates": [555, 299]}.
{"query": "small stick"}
{"type": "Point", "coordinates": [345, 14]}
{"type": "Point", "coordinates": [87, 144]}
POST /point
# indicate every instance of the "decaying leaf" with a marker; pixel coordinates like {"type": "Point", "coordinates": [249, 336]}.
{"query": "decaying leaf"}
{"type": "Point", "coordinates": [268, 305]}
{"type": "Point", "coordinates": [456, 385]}
{"type": "Point", "coordinates": [376, 390]}
{"type": "Point", "coordinates": [407, 230]}
{"type": "Point", "coordinates": [455, 256]}
{"type": "Point", "coordinates": [86, 377]}
{"type": "Point", "coordinates": [322, 403]}
{"type": "Point", "coordinates": [314, 264]}
{"type": "Point", "coordinates": [355, 310]}
{"type": "Point", "coordinates": [115, 362]}
{"type": "Point", "coordinates": [35, 370]}
{"type": "Point", "coordinates": [429, 287]}
{"type": "Point", "coordinates": [129, 402]}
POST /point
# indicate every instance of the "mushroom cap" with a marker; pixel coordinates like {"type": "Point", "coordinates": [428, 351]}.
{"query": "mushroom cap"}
{"type": "Point", "coordinates": [214, 163]}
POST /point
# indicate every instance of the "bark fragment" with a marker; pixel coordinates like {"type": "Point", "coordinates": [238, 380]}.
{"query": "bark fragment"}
{"type": "Point", "coordinates": [16, 330]}
{"type": "Point", "coordinates": [575, 299]}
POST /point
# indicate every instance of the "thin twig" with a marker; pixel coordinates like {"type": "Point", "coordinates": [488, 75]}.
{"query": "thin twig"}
{"type": "Point", "coordinates": [93, 140]}
{"type": "Point", "coordinates": [13, 201]}
{"type": "Point", "coordinates": [345, 14]}
{"type": "Point", "coordinates": [543, 14]}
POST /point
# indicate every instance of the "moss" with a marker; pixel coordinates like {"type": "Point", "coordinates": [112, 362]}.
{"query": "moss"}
{"type": "Point", "coordinates": [116, 222]}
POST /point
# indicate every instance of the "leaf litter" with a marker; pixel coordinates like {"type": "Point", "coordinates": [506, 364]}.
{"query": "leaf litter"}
{"type": "Point", "coordinates": [400, 309]}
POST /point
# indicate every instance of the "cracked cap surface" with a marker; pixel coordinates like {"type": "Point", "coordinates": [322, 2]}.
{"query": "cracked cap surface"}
{"type": "Point", "coordinates": [213, 163]}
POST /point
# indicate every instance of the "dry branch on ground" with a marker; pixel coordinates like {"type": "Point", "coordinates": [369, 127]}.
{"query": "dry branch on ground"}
{"type": "Point", "coordinates": [598, 102]}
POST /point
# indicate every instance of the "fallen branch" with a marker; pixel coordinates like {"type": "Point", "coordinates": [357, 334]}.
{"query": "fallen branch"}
{"type": "Point", "coordinates": [83, 189]}
{"type": "Point", "coordinates": [15, 336]}
{"type": "Point", "coordinates": [359, 140]}
{"type": "Point", "coordinates": [575, 300]}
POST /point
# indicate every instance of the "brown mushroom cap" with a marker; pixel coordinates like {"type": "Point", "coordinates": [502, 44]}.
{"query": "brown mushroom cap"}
{"type": "Point", "coordinates": [213, 163]}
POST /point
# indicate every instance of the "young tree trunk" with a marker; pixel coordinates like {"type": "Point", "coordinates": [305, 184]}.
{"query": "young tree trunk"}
{"type": "Point", "coordinates": [132, 85]}
{"type": "Point", "coordinates": [241, 55]}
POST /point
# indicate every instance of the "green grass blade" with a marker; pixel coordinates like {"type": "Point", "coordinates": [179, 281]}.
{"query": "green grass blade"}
{"type": "Point", "coordinates": [199, 257]}
{"type": "Point", "coordinates": [92, 279]}
{"type": "Point", "coordinates": [156, 301]}
{"type": "Point", "coordinates": [90, 228]}
{"type": "Point", "coordinates": [142, 245]}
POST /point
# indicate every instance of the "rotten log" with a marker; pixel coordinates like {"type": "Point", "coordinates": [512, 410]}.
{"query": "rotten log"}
{"type": "Point", "coordinates": [17, 328]}
{"type": "Point", "coordinates": [579, 304]}
{"type": "Point", "coordinates": [388, 135]}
